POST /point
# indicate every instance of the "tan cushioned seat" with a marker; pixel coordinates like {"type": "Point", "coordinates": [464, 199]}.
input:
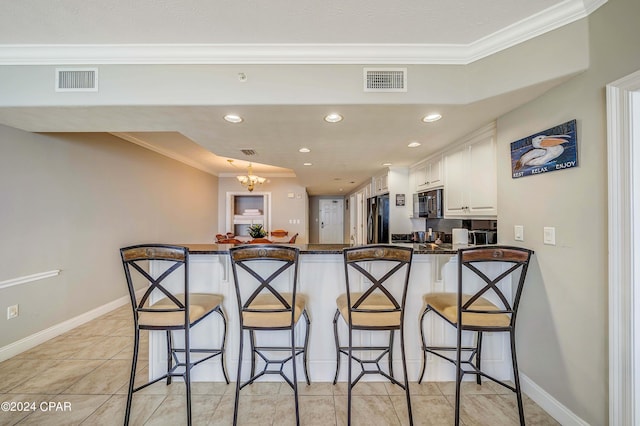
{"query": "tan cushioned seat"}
{"type": "Point", "coordinates": [200, 305]}
{"type": "Point", "coordinates": [369, 319]}
{"type": "Point", "coordinates": [447, 305]}
{"type": "Point", "coordinates": [268, 301]}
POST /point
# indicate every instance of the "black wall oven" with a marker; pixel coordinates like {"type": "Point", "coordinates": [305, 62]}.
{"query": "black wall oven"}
{"type": "Point", "coordinates": [428, 204]}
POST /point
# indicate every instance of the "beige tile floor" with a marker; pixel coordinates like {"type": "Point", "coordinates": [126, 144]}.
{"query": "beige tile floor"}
{"type": "Point", "coordinates": [87, 369]}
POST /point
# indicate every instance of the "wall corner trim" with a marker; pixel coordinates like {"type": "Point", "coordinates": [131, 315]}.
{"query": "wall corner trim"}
{"type": "Point", "coordinates": [622, 157]}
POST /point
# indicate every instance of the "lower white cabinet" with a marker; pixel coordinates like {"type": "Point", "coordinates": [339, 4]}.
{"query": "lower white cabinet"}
{"type": "Point", "coordinates": [470, 176]}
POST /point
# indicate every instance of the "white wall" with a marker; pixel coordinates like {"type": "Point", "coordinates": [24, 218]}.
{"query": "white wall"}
{"type": "Point", "coordinates": [69, 202]}
{"type": "Point", "coordinates": [562, 326]}
{"type": "Point", "coordinates": [399, 222]}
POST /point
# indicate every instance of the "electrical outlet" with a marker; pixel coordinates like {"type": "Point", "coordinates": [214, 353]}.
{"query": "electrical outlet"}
{"type": "Point", "coordinates": [518, 231]}
{"type": "Point", "coordinates": [12, 312]}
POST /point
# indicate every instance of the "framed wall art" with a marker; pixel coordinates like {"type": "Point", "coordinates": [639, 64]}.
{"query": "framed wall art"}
{"type": "Point", "coordinates": [547, 151]}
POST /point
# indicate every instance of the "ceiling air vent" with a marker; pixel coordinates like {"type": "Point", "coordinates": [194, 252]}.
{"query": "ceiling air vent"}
{"type": "Point", "coordinates": [385, 79]}
{"type": "Point", "coordinates": [248, 152]}
{"type": "Point", "coordinates": [76, 79]}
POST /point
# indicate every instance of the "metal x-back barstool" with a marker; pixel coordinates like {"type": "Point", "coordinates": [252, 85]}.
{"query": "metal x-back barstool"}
{"type": "Point", "coordinates": [382, 273]}
{"type": "Point", "coordinates": [168, 307]}
{"type": "Point", "coordinates": [260, 273]}
{"type": "Point", "coordinates": [493, 274]}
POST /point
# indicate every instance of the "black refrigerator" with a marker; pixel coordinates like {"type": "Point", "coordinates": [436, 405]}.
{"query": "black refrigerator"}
{"type": "Point", "coordinates": [378, 220]}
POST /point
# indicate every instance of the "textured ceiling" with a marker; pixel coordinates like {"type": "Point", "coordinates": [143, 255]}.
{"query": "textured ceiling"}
{"type": "Point", "coordinates": [283, 105]}
{"type": "Point", "coordinates": [260, 21]}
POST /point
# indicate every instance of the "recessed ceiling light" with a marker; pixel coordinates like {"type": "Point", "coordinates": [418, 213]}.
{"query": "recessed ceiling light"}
{"type": "Point", "coordinates": [304, 150]}
{"type": "Point", "coordinates": [308, 164]}
{"type": "Point", "coordinates": [233, 118]}
{"type": "Point", "coordinates": [430, 118]}
{"type": "Point", "coordinates": [386, 164]}
{"type": "Point", "coordinates": [414, 144]}
{"type": "Point", "coordinates": [333, 118]}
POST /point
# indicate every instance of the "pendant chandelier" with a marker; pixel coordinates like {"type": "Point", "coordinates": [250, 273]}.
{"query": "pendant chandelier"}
{"type": "Point", "coordinates": [251, 180]}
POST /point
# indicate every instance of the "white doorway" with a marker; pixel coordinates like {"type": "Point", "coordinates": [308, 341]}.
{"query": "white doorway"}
{"type": "Point", "coordinates": [623, 146]}
{"type": "Point", "coordinates": [353, 222]}
{"type": "Point", "coordinates": [361, 218]}
{"type": "Point", "coordinates": [331, 221]}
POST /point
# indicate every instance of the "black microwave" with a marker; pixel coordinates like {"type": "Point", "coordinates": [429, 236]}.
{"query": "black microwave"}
{"type": "Point", "coordinates": [428, 204]}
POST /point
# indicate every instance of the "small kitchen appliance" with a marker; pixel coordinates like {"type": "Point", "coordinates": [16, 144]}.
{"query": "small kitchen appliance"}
{"type": "Point", "coordinates": [460, 236]}
{"type": "Point", "coordinates": [428, 204]}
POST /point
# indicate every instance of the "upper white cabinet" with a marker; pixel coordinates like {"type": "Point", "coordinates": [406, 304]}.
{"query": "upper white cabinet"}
{"type": "Point", "coordinates": [428, 174]}
{"type": "Point", "coordinates": [470, 176]}
{"type": "Point", "coordinates": [380, 183]}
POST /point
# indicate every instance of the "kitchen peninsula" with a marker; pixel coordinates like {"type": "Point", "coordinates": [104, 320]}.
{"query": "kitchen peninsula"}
{"type": "Point", "coordinates": [321, 279]}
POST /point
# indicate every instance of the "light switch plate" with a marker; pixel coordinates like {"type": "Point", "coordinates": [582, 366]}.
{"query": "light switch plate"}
{"type": "Point", "coordinates": [550, 235]}
{"type": "Point", "coordinates": [518, 232]}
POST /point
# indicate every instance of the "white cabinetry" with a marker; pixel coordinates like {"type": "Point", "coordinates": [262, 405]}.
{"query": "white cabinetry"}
{"type": "Point", "coordinates": [380, 183]}
{"type": "Point", "coordinates": [428, 174]}
{"type": "Point", "coordinates": [470, 176]}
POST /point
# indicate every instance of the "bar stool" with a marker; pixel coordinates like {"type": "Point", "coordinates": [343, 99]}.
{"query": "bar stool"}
{"type": "Point", "coordinates": [167, 305]}
{"type": "Point", "coordinates": [266, 282]}
{"type": "Point", "coordinates": [487, 300]}
{"type": "Point", "coordinates": [380, 274]}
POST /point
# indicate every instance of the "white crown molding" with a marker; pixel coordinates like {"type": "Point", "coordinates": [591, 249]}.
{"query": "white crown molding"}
{"type": "Point", "coordinates": [188, 161]}
{"type": "Point", "coordinates": [422, 54]}
{"type": "Point", "coordinates": [533, 26]}
{"type": "Point", "coordinates": [167, 153]}
{"type": "Point", "coordinates": [265, 175]}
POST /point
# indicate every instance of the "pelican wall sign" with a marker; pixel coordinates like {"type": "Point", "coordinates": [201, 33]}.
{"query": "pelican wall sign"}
{"type": "Point", "coordinates": [547, 151]}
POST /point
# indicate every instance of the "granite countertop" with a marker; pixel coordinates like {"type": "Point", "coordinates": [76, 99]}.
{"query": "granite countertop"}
{"type": "Point", "coordinates": [423, 248]}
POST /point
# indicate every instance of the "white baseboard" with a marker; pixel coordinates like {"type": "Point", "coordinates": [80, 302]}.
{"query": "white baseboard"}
{"type": "Point", "coordinates": [29, 342]}
{"type": "Point", "coordinates": [562, 414]}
